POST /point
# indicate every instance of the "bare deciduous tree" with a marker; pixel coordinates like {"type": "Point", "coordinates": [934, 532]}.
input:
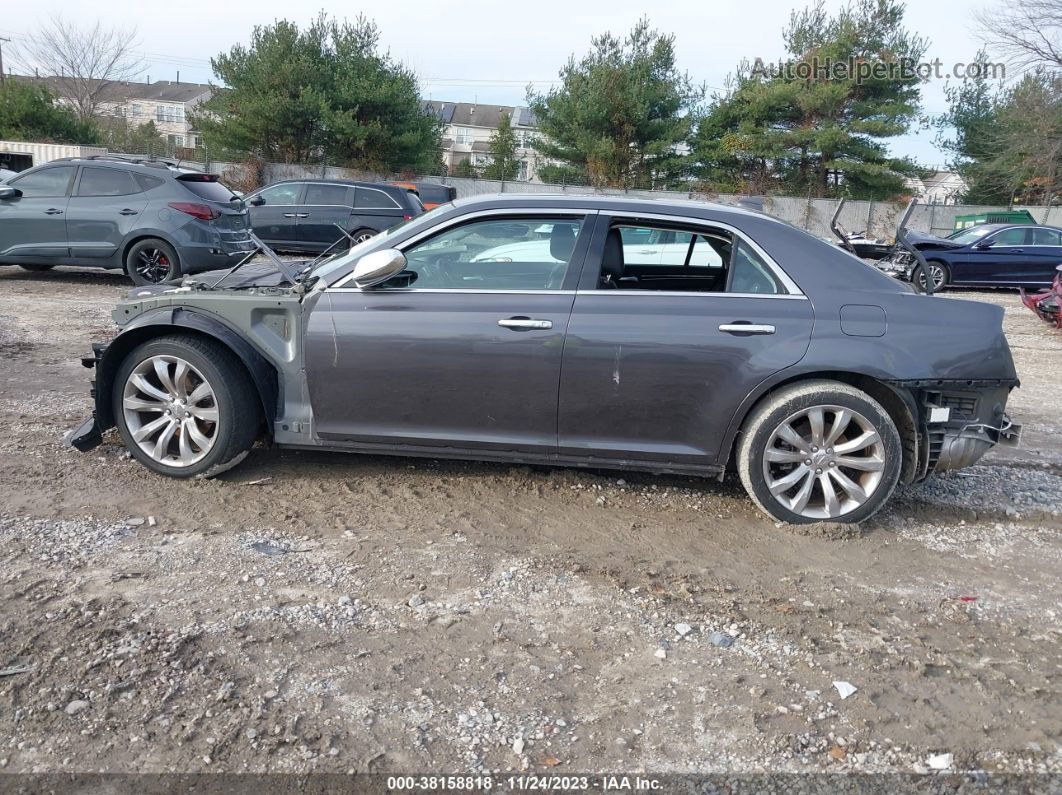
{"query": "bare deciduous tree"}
{"type": "Point", "coordinates": [1028, 33]}
{"type": "Point", "coordinates": [85, 61]}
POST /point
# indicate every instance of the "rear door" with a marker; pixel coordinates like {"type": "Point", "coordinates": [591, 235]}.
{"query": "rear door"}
{"type": "Point", "coordinates": [33, 225]}
{"type": "Point", "coordinates": [323, 213]}
{"type": "Point", "coordinates": [454, 352]}
{"type": "Point", "coordinates": [654, 370]}
{"type": "Point", "coordinates": [105, 206]}
{"type": "Point", "coordinates": [276, 221]}
{"type": "Point", "coordinates": [375, 209]}
{"type": "Point", "coordinates": [1045, 255]}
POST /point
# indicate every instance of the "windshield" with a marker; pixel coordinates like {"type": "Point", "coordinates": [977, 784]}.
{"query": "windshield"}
{"type": "Point", "coordinates": [973, 234]}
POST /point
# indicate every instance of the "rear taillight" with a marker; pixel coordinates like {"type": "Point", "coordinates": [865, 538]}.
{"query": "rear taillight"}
{"type": "Point", "coordinates": [201, 211]}
{"type": "Point", "coordinates": [407, 217]}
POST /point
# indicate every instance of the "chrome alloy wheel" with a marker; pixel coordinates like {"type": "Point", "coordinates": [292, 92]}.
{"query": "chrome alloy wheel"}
{"type": "Point", "coordinates": [363, 237]}
{"type": "Point", "coordinates": [823, 462]}
{"type": "Point", "coordinates": [153, 265]}
{"type": "Point", "coordinates": [170, 410]}
{"type": "Point", "coordinates": [936, 273]}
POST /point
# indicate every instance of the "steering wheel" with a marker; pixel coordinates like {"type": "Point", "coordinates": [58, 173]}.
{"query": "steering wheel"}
{"type": "Point", "coordinates": [435, 272]}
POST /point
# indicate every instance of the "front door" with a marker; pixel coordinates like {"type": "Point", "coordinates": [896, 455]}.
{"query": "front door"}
{"type": "Point", "coordinates": [658, 355]}
{"type": "Point", "coordinates": [104, 208]}
{"type": "Point", "coordinates": [276, 220]}
{"type": "Point", "coordinates": [461, 350]}
{"type": "Point", "coordinates": [324, 214]}
{"type": "Point", "coordinates": [33, 225]}
{"type": "Point", "coordinates": [998, 259]}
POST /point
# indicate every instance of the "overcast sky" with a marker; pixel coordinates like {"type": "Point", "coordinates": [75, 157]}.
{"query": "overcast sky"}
{"type": "Point", "coordinates": [477, 50]}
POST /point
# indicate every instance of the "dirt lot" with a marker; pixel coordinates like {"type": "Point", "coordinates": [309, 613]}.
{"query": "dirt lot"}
{"type": "Point", "coordinates": [322, 612]}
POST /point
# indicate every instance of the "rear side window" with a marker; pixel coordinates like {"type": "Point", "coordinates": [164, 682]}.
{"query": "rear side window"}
{"type": "Point", "coordinates": [105, 182]}
{"type": "Point", "coordinates": [46, 182]}
{"type": "Point", "coordinates": [327, 194]}
{"type": "Point", "coordinates": [206, 188]}
{"type": "Point", "coordinates": [750, 274]}
{"type": "Point", "coordinates": [1046, 237]}
{"type": "Point", "coordinates": [373, 199]}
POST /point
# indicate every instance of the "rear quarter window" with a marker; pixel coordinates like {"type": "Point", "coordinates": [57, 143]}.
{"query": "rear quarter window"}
{"type": "Point", "coordinates": [373, 199]}
{"type": "Point", "coordinates": [434, 194]}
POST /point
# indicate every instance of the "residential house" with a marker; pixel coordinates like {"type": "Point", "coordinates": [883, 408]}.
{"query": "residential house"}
{"type": "Point", "coordinates": [168, 103]}
{"type": "Point", "coordinates": [940, 187]}
{"type": "Point", "coordinates": [469, 127]}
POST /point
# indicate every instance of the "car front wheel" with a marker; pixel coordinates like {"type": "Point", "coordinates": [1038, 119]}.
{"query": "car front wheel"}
{"type": "Point", "coordinates": [937, 271]}
{"type": "Point", "coordinates": [819, 451]}
{"type": "Point", "coordinates": [185, 406]}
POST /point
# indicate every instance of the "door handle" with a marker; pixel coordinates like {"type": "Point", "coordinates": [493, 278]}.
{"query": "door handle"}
{"type": "Point", "coordinates": [1017, 251]}
{"type": "Point", "coordinates": [744, 327]}
{"type": "Point", "coordinates": [127, 211]}
{"type": "Point", "coordinates": [525, 323]}
{"type": "Point", "coordinates": [53, 211]}
{"type": "Point", "coordinates": [291, 215]}
{"type": "Point", "coordinates": [302, 215]}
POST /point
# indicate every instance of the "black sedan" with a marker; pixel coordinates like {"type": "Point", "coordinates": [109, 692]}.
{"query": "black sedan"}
{"type": "Point", "coordinates": [580, 331]}
{"type": "Point", "coordinates": [988, 255]}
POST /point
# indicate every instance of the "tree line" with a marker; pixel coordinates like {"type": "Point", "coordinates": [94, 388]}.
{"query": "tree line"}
{"type": "Point", "coordinates": [624, 114]}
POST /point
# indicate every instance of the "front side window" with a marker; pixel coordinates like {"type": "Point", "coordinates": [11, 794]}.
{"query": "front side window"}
{"type": "Point", "coordinates": [666, 258]}
{"type": "Point", "coordinates": [495, 254]}
{"type": "Point", "coordinates": [282, 195]}
{"type": "Point", "coordinates": [105, 182]}
{"type": "Point", "coordinates": [1010, 237]}
{"type": "Point", "coordinates": [48, 182]}
{"type": "Point", "coordinates": [326, 195]}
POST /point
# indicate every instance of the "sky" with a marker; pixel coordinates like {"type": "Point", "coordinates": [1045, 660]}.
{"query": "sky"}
{"type": "Point", "coordinates": [476, 50]}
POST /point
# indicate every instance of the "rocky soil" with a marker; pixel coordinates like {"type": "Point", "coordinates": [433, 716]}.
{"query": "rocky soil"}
{"type": "Point", "coordinates": [311, 612]}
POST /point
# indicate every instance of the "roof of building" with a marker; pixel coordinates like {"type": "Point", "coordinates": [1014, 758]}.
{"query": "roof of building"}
{"type": "Point", "coordinates": [473, 114]}
{"type": "Point", "coordinates": [159, 91]}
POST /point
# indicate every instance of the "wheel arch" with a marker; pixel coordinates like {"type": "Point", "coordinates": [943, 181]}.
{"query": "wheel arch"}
{"type": "Point", "coordinates": [165, 322]}
{"type": "Point", "coordinates": [141, 235]}
{"type": "Point", "coordinates": [898, 402]}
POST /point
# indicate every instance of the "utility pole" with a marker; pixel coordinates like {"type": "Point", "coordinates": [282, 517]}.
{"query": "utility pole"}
{"type": "Point", "coordinates": [2, 40]}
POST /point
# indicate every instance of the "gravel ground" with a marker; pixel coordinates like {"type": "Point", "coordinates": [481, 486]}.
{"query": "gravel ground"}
{"type": "Point", "coordinates": [312, 612]}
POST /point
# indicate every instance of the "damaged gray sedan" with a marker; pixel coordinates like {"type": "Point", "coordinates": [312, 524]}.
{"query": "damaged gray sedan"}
{"type": "Point", "coordinates": [579, 331]}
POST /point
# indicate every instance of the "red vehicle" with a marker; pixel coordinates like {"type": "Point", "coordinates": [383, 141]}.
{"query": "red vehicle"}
{"type": "Point", "coordinates": [1046, 303]}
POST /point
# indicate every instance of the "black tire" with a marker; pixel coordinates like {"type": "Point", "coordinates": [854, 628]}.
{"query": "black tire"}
{"type": "Point", "coordinates": [36, 267]}
{"type": "Point", "coordinates": [789, 402]}
{"type": "Point", "coordinates": [144, 261]}
{"type": "Point", "coordinates": [238, 409]}
{"type": "Point", "coordinates": [940, 282]}
{"type": "Point", "coordinates": [362, 234]}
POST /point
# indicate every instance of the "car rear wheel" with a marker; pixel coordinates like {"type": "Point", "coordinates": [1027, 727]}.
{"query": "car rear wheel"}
{"type": "Point", "coordinates": [151, 262]}
{"type": "Point", "coordinates": [362, 235]}
{"type": "Point", "coordinates": [184, 406]}
{"type": "Point", "coordinates": [819, 451]}
{"type": "Point", "coordinates": [938, 271]}
{"type": "Point", "coordinates": [36, 267]}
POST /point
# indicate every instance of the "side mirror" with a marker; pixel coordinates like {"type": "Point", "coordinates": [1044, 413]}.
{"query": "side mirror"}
{"type": "Point", "coordinates": [7, 192]}
{"type": "Point", "coordinates": [256, 201]}
{"type": "Point", "coordinates": [983, 244]}
{"type": "Point", "coordinates": [377, 267]}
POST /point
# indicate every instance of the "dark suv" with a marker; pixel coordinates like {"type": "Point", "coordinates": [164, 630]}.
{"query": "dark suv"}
{"type": "Point", "coordinates": [150, 217]}
{"type": "Point", "coordinates": [302, 215]}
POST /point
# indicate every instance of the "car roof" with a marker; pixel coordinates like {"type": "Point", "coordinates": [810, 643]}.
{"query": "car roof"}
{"type": "Point", "coordinates": [145, 165]}
{"type": "Point", "coordinates": [357, 183]}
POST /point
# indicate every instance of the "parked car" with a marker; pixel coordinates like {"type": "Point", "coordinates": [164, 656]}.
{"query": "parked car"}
{"type": "Point", "coordinates": [308, 214]}
{"type": "Point", "coordinates": [6, 174]}
{"type": "Point", "coordinates": [431, 194]}
{"type": "Point", "coordinates": [987, 255]}
{"type": "Point", "coordinates": [818, 379]}
{"type": "Point", "coordinates": [153, 219]}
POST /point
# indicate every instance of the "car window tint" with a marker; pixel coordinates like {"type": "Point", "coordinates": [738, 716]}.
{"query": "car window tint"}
{"type": "Point", "coordinates": [433, 194]}
{"type": "Point", "coordinates": [326, 194]}
{"type": "Point", "coordinates": [1010, 237]}
{"type": "Point", "coordinates": [281, 194]}
{"type": "Point", "coordinates": [46, 182]}
{"type": "Point", "coordinates": [708, 252]}
{"type": "Point", "coordinates": [105, 182]}
{"type": "Point", "coordinates": [146, 182]}
{"type": "Point", "coordinates": [499, 254]}
{"type": "Point", "coordinates": [209, 189]}
{"type": "Point", "coordinates": [1046, 237]}
{"type": "Point", "coordinates": [372, 199]}
{"type": "Point", "coordinates": [750, 274]}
